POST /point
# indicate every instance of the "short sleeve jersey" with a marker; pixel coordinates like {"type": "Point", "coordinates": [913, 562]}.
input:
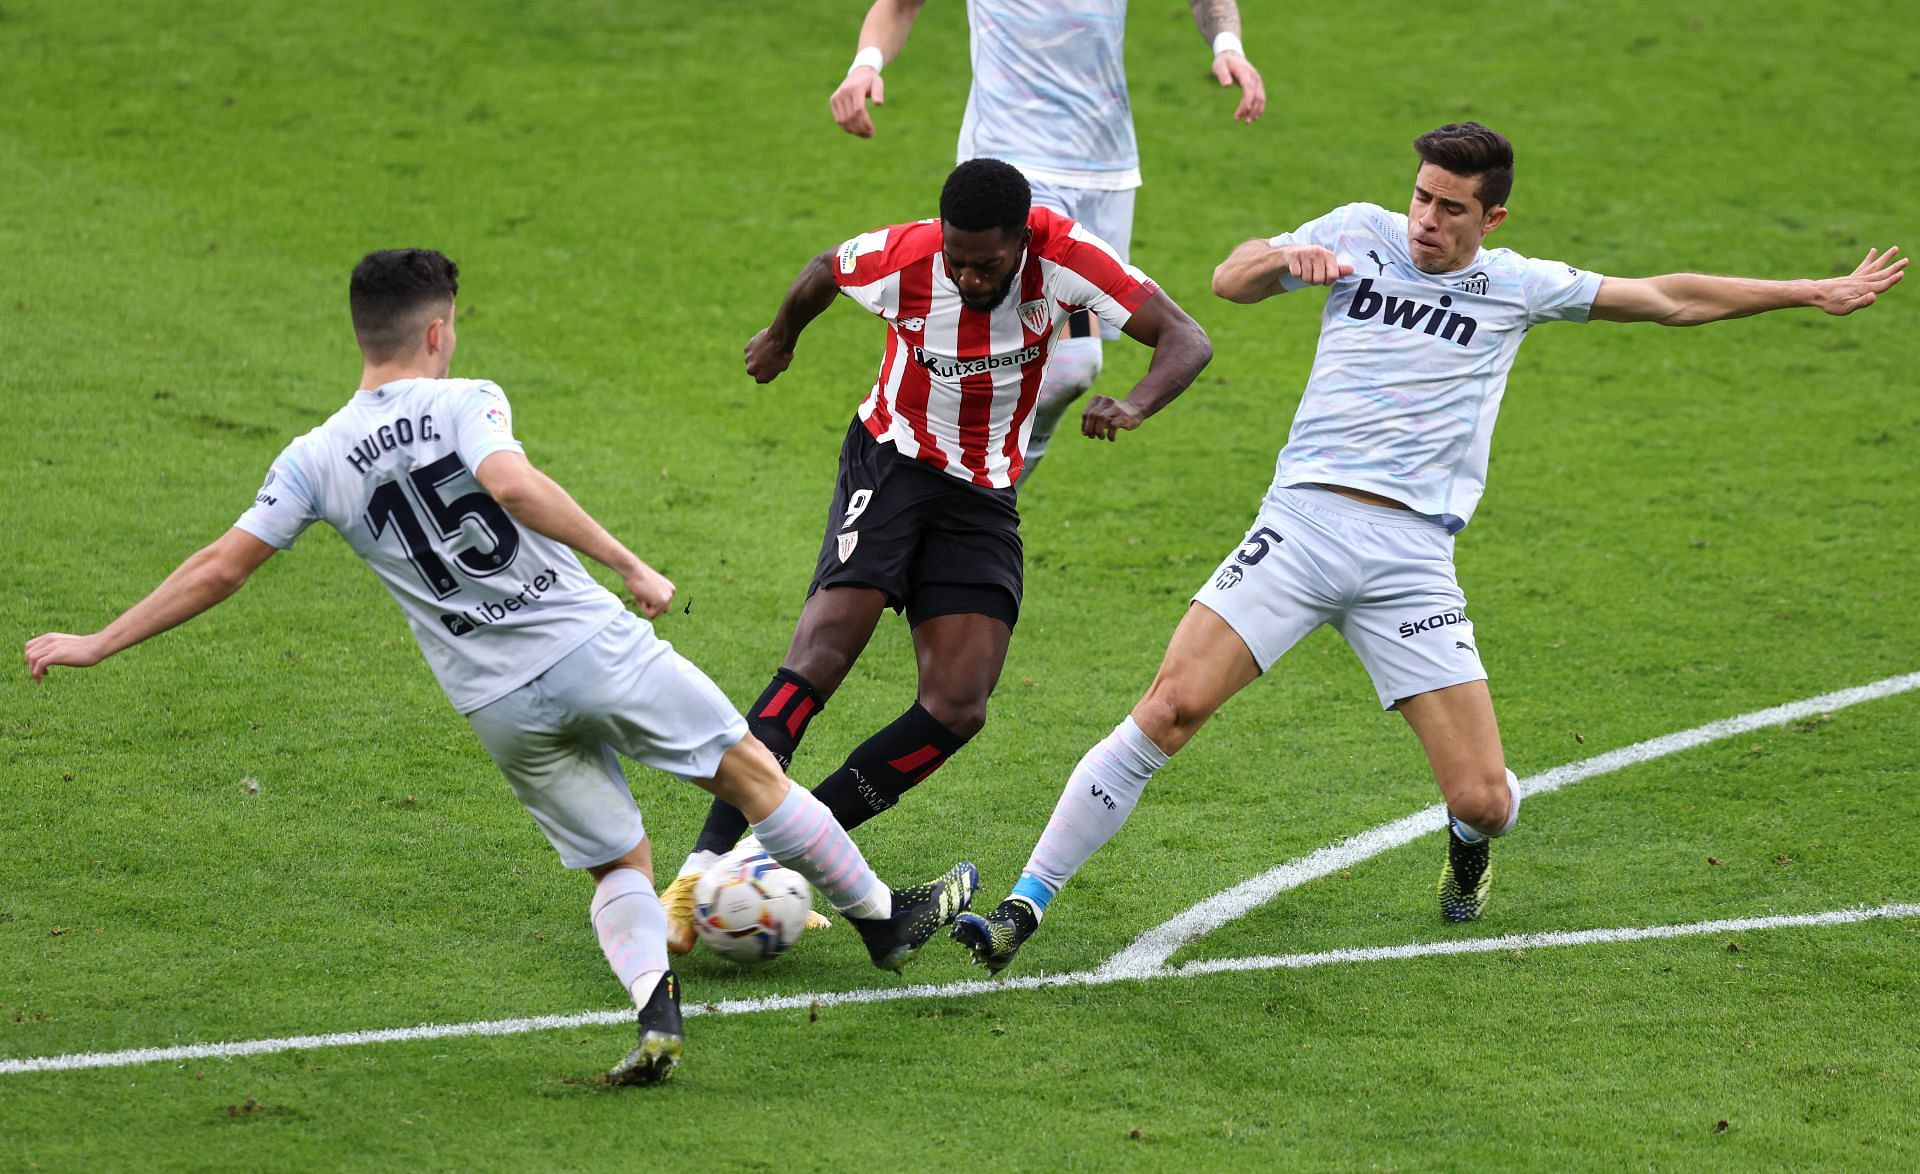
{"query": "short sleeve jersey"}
{"type": "Point", "coordinates": [493, 605]}
{"type": "Point", "coordinates": [1411, 366]}
{"type": "Point", "coordinates": [957, 386]}
{"type": "Point", "coordinates": [1050, 92]}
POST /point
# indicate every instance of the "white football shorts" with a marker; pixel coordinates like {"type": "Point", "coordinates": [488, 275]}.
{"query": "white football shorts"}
{"type": "Point", "coordinates": [1382, 577]}
{"type": "Point", "coordinates": [624, 690]}
{"type": "Point", "coordinates": [1107, 215]}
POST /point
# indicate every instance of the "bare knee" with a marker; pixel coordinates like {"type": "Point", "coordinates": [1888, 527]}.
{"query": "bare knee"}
{"type": "Point", "coordinates": [1480, 798]}
{"type": "Point", "coordinates": [640, 859]}
{"type": "Point", "coordinates": [963, 715]}
{"type": "Point", "coordinates": [750, 779]}
{"type": "Point", "coordinates": [1168, 717]}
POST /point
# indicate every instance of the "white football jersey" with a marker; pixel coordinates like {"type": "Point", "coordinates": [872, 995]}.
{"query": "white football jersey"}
{"type": "Point", "coordinates": [1411, 366]}
{"type": "Point", "coordinates": [492, 604]}
{"type": "Point", "coordinates": [1050, 92]}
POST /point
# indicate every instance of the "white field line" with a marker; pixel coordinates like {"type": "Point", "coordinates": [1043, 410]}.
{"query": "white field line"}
{"type": "Point", "coordinates": [1147, 956]}
{"type": "Point", "coordinates": [1149, 952]}
{"type": "Point", "coordinates": [1508, 943]}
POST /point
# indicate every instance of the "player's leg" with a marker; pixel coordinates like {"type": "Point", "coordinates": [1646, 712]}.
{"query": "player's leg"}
{"type": "Point", "coordinates": [960, 648]}
{"type": "Point", "coordinates": [1261, 600]}
{"type": "Point", "coordinates": [1075, 360]}
{"type": "Point", "coordinates": [1457, 727]}
{"type": "Point", "coordinates": [834, 628]}
{"type": "Point", "coordinates": [797, 830]}
{"type": "Point", "coordinates": [1410, 628]}
{"type": "Point", "coordinates": [572, 785]}
{"type": "Point", "coordinates": [1206, 662]}
{"type": "Point", "coordinates": [861, 568]}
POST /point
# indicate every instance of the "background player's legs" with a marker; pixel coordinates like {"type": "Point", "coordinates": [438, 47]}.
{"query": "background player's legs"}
{"type": "Point", "coordinates": [1457, 727]}
{"type": "Point", "coordinates": [1074, 363]}
{"type": "Point", "coordinates": [834, 627]}
{"type": "Point", "coordinates": [1072, 366]}
{"type": "Point", "coordinates": [960, 657]}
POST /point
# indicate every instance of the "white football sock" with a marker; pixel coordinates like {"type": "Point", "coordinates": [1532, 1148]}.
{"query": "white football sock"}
{"type": "Point", "coordinates": [697, 863]}
{"type": "Point", "coordinates": [803, 835]}
{"type": "Point", "coordinates": [1071, 368]}
{"type": "Point", "coordinates": [632, 928]}
{"type": "Point", "coordinates": [1096, 801]}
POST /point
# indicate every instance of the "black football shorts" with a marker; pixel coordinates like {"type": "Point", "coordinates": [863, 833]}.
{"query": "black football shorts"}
{"type": "Point", "coordinates": [936, 545]}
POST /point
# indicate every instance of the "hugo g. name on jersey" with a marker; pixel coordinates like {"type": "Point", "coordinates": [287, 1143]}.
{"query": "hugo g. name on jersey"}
{"type": "Point", "coordinates": [957, 386]}
{"type": "Point", "coordinates": [1411, 366]}
{"type": "Point", "coordinates": [1050, 92]}
{"type": "Point", "coordinates": [492, 604]}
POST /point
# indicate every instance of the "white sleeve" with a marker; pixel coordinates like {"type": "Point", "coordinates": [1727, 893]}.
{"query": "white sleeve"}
{"type": "Point", "coordinates": [286, 504]}
{"type": "Point", "coordinates": [1557, 292]}
{"type": "Point", "coordinates": [1324, 231]}
{"type": "Point", "coordinates": [482, 423]}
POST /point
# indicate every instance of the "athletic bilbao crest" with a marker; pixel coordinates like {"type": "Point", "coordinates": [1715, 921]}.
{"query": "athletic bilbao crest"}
{"type": "Point", "coordinates": [1036, 316]}
{"type": "Point", "coordinates": [848, 541]}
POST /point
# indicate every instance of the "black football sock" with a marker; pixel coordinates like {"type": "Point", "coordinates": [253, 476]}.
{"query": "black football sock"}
{"type": "Point", "coordinates": [779, 719]}
{"type": "Point", "coordinates": [886, 766]}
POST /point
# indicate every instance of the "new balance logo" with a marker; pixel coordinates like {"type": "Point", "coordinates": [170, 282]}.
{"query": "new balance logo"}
{"type": "Point", "coordinates": [912, 325]}
{"type": "Point", "coordinates": [1408, 314]}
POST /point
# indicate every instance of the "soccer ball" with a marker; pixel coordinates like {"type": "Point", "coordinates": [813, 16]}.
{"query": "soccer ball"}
{"type": "Point", "coordinates": [749, 907]}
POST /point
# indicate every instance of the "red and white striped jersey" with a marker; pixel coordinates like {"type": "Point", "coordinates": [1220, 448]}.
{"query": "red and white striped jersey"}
{"type": "Point", "coordinates": [956, 387]}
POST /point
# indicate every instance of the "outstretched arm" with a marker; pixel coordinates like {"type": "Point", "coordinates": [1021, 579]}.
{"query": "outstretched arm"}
{"type": "Point", "coordinates": [1253, 271]}
{"type": "Point", "coordinates": [1180, 351]}
{"type": "Point", "coordinates": [1219, 23]}
{"type": "Point", "coordinates": [539, 503]}
{"type": "Point", "coordinates": [208, 576]}
{"type": "Point", "coordinates": [882, 35]}
{"type": "Point", "coordinates": [1691, 299]}
{"type": "Point", "coordinates": [770, 351]}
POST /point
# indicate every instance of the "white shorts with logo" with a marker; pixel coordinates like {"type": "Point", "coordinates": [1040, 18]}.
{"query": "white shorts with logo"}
{"type": "Point", "coordinates": [556, 737]}
{"type": "Point", "coordinates": [1107, 215]}
{"type": "Point", "coordinates": [1382, 577]}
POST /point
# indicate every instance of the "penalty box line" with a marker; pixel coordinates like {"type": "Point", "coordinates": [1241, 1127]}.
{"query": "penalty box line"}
{"type": "Point", "coordinates": [1098, 977]}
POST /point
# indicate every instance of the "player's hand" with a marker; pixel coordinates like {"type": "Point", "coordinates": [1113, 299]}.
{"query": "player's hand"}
{"type": "Point", "coordinates": [849, 101]}
{"type": "Point", "coordinates": [1106, 418]}
{"type": "Point", "coordinates": [45, 651]}
{"type": "Point", "coordinates": [1871, 278]}
{"type": "Point", "coordinates": [1231, 69]}
{"type": "Point", "coordinates": [767, 356]}
{"type": "Point", "coordinates": [651, 591]}
{"type": "Point", "coordinates": [1315, 265]}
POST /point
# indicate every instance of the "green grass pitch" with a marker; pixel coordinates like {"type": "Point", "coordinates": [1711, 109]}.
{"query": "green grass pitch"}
{"type": "Point", "coordinates": [1681, 526]}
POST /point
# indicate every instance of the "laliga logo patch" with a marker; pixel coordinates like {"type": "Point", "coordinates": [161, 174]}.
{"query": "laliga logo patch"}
{"type": "Point", "coordinates": [848, 541]}
{"type": "Point", "coordinates": [1035, 316]}
{"type": "Point", "coordinates": [497, 418]}
{"type": "Point", "coordinates": [848, 252]}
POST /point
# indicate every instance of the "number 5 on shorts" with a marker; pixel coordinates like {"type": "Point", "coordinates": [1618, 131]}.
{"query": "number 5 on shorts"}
{"type": "Point", "coordinates": [1255, 547]}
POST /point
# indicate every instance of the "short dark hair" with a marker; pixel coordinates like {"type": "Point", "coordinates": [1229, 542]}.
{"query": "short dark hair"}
{"type": "Point", "coordinates": [388, 289]}
{"type": "Point", "coordinates": [986, 193]}
{"type": "Point", "coordinates": [1469, 149]}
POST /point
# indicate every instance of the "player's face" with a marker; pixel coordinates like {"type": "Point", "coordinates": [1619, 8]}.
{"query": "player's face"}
{"type": "Point", "coordinates": [1446, 223]}
{"type": "Point", "coordinates": [982, 264]}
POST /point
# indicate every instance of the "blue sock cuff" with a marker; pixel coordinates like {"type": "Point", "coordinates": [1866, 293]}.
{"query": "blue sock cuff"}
{"type": "Point", "coordinates": [1033, 890]}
